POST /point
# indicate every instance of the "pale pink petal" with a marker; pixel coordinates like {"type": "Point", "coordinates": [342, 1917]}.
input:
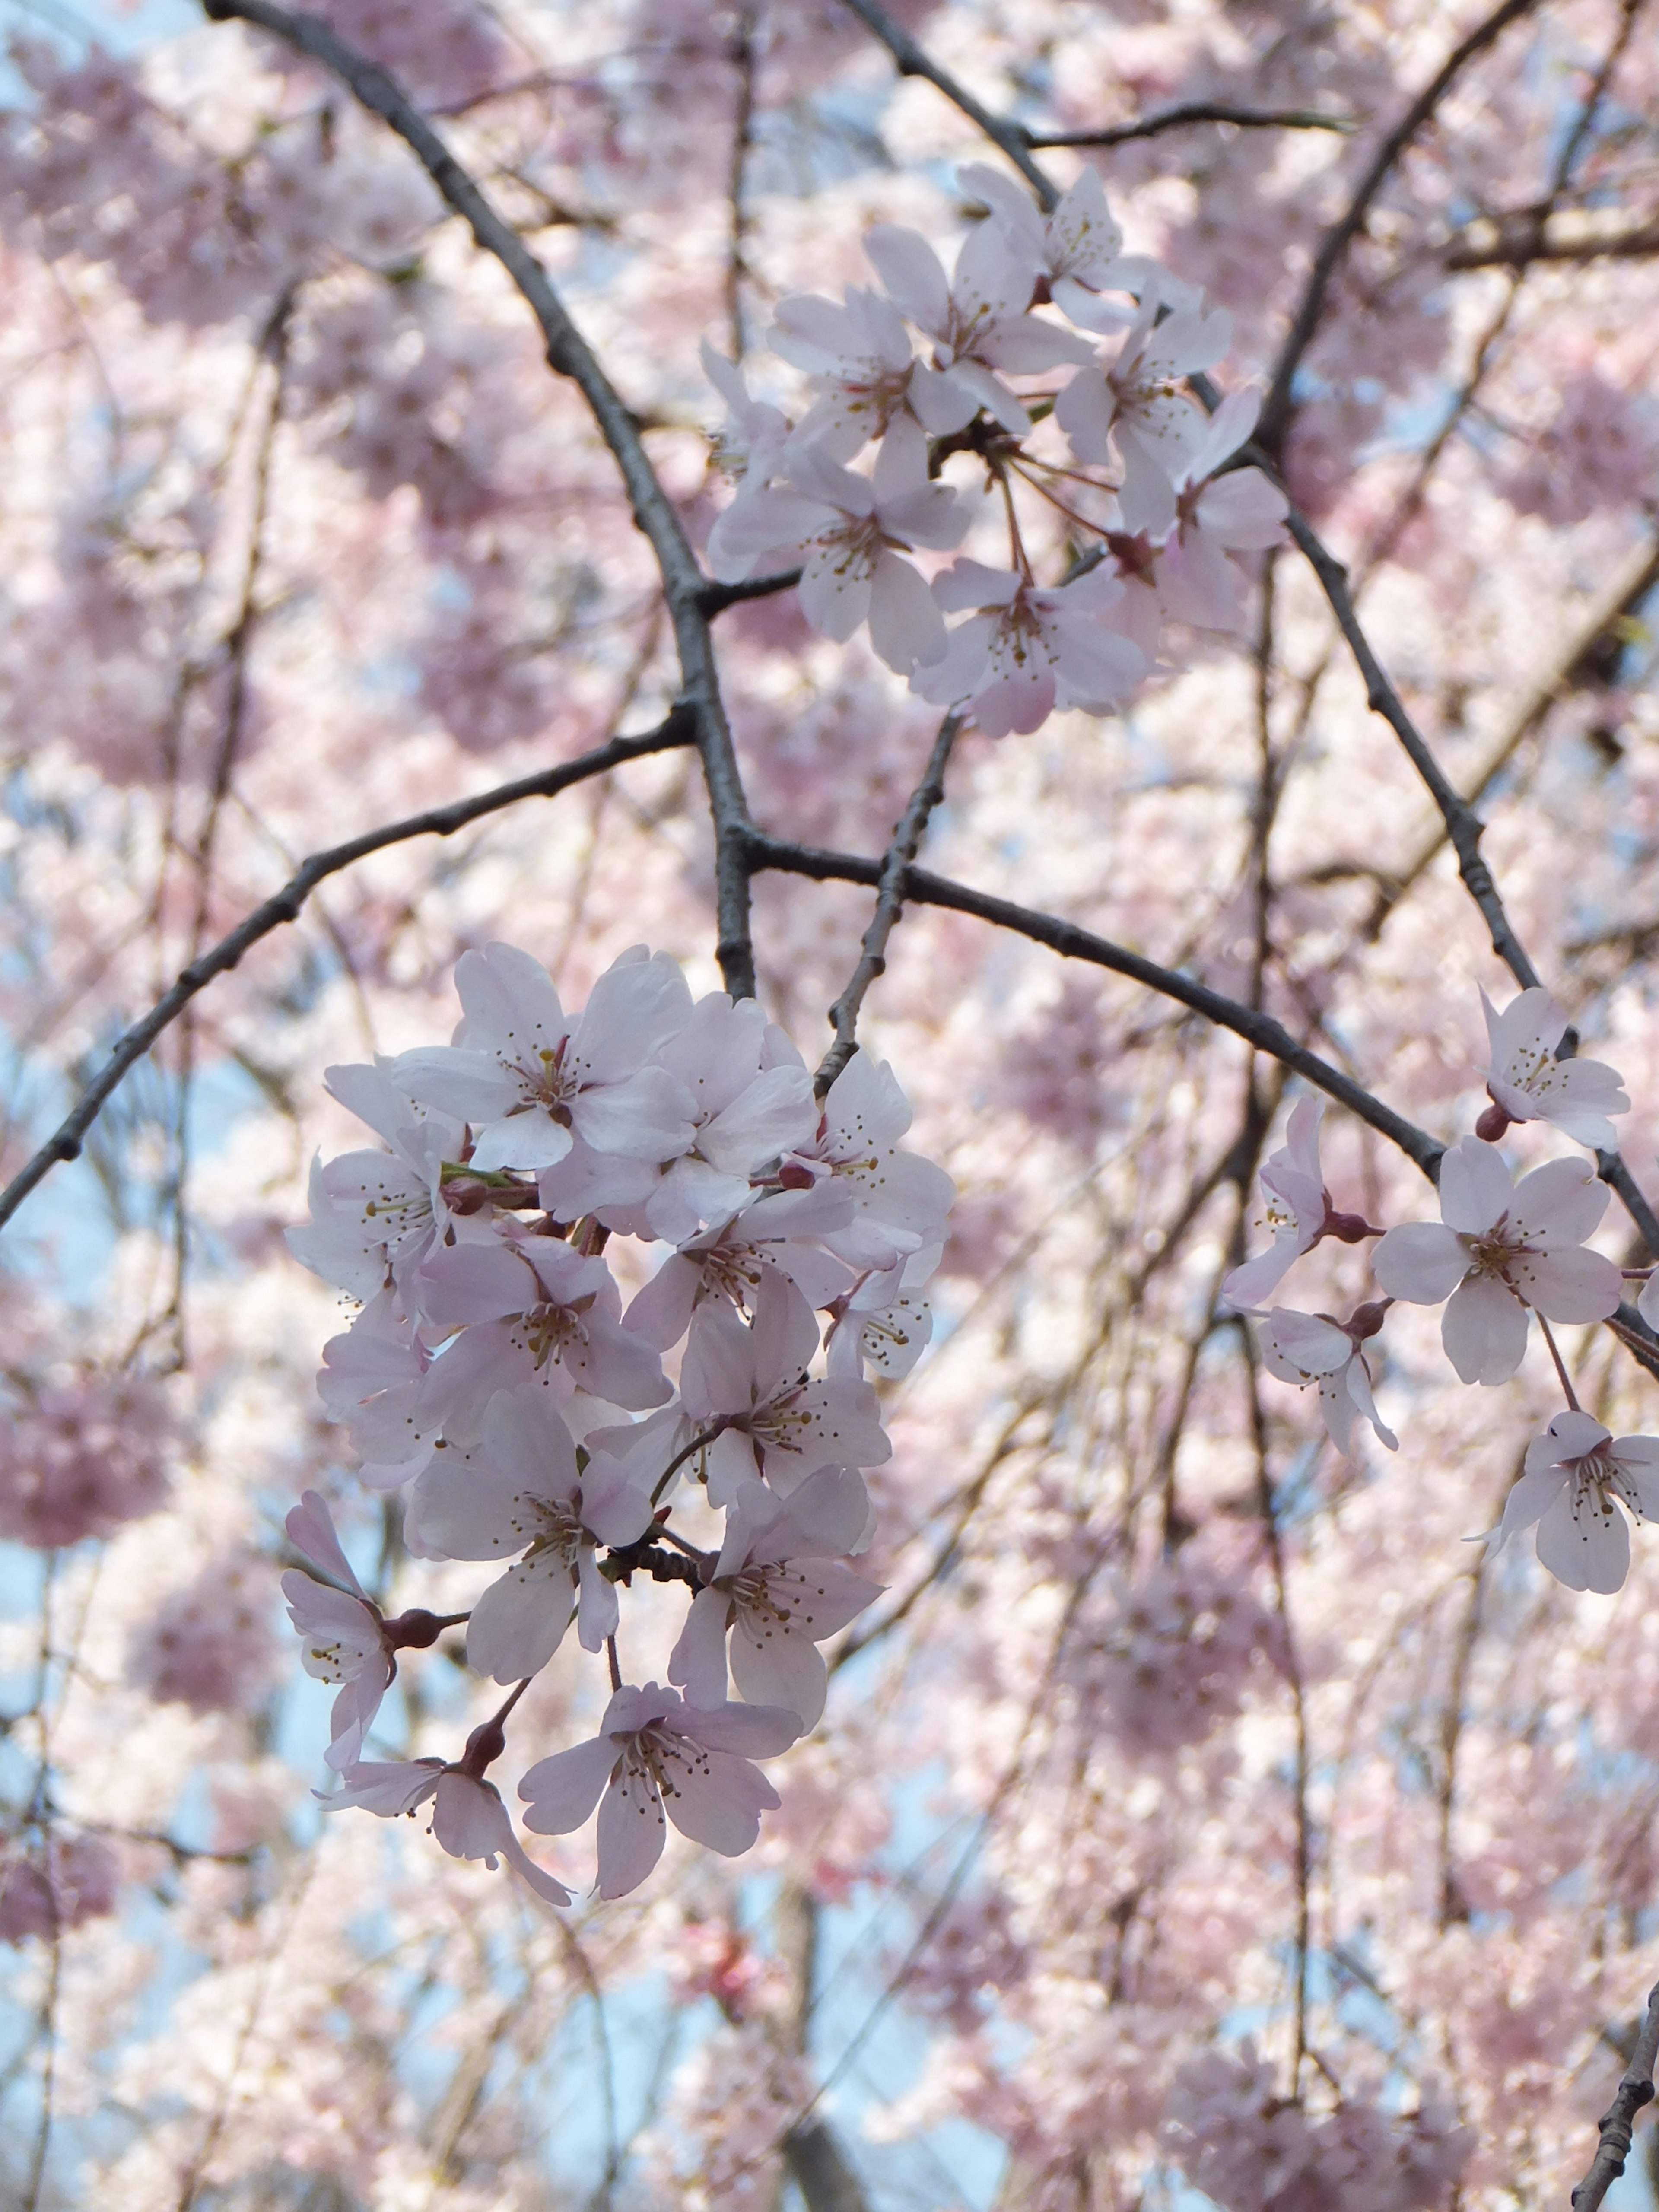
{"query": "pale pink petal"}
{"type": "Point", "coordinates": [562, 1791]}
{"type": "Point", "coordinates": [1484, 1329]}
{"type": "Point", "coordinates": [1570, 1285]}
{"type": "Point", "coordinates": [1476, 1190]}
{"type": "Point", "coordinates": [631, 1833]}
{"type": "Point", "coordinates": [1421, 1262]}
{"type": "Point", "coordinates": [1584, 1541]}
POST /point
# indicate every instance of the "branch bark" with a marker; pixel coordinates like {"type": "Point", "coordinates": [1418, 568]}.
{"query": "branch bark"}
{"type": "Point", "coordinates": [1617, 2124]}
{"type": "Point", "coordinates": [568, 353]}
{"type": "Point", "coordinates": [1193, 112]}
{"type": "Point", "coordinates": [679, 729]}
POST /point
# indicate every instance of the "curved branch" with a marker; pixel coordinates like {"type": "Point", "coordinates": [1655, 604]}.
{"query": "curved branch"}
{"type": "Point", "coordinates": [1276, 410]}
{"type": "Point", "coordinates": [679, 729]}
{"type": "Point", "coordinates": [569, 354]}
{"type": "Point", "coordinates": [1617, 2123]}
{"type": "Point", "coordinates": [1191, 112]}
{"type": "Point", "coordinates": [920, 887]}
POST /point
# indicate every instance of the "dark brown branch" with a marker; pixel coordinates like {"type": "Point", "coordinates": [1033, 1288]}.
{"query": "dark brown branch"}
{"type": "Point", "coordinates": [1511, 241]}
{"type": "Point", "coordinates": [912, 61]}
{"type": "Point", "coordinates": [1617, 2123]}
{"type": "Point", "coordinates": [1276, 410]}
{"type": "Point", "coordinates": [1192, 112]}
{"type": "Point", "coordinates": [920, 887]}
{"type": "Point", "coordinates": [908, 835]}
{"type": "Point", "coordinates": [568, 353]}
{"type": "Point", "coordinates": [678, 730]}
{"type": "Point", "coordinates": [715, 598]}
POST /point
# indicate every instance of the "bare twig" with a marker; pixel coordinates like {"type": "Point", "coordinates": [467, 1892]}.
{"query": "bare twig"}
{"type": "Point", "coordinates": [908, 835]}
{"type": "Point", "coordinates": [568, 353]}
{"type": "Point", "coordinates": [679, 729]}
{"type": "Point", "coordinates": [1191, 112]}
{"type": "Point", "coordinates": [1569, 234]}
{"type": "Point", "coordinates": [922, 888]}
{"type": "Point", "coordinates": [1276, 410]}
{"type": "Point", "coordinates": [1617, 2123]}
{"type": "Point", "coordinates": [913, 61]}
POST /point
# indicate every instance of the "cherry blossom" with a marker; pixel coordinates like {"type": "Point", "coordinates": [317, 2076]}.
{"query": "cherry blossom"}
{"type": "Point", "coordinates": [748, 1381]}
{"type": "Point", "coordinates": [1299, 1210]}
{"type": "Point", "coordinates": [468, 1817]}
{"type": "Point", "coordinates": [521, 1490]}
{"type": "Point", "coordinates": [376, 1215]}
{"type": "Point", "coordinates": [1527, 1082]}
{"type": "Point", "coordinates": [1502, 1248]}
{"type": "Point", "coordinates": [776, 1611]}
{"type": "Point", "coordinates": [1029, 650]}
{"type": "Point", "coordinates": [654, 1752]}
{"type": "Point", "coordinates": [526, 1075]}
{"type": "Point", "coordinates": [1078, 248]}
{"type": "Point", "coordinates": [1137, 400]}
{"type": "Point", "coordinates": [1216, 516]}
{"type": "Point", "coordinates": [1303, 1348]}
{"type": "Point", "coordinates": [848, 533]}
{"type": "Point", "coordinates": [1576, 1476]}
{"type": "Point", "coordinates": [861, 355]}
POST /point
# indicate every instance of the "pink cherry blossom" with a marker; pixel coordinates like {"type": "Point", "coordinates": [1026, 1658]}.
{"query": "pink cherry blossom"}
{"type": "Point", "coordinates": [1576, 1476]}
{"type": "Point", "coordinates": [755, 432]}
{"type": "Point", "coordinates": [374, 1215]}
{"type": "Point", "coordinates": [1299, 1210]}
{"type": "Point", "coordinates": [902, 1201]}
{"type": "Point", "coordinates": [847, 532]}
{"type": "Point", "coordinates": [521, 1492]}
{"type": "Point", "coordinates": [655, 1752]}
{"type": "Point", "coordinates": [1029, 649]}
{"type": "Point", "coordinates": [1216, 516]}
{"type": "Point", "coordinates": [1137, 401]}
{"type": "Point", "coordinates": [1078, 248]}
{"type": "Point", "coordinates": [468, 1817]}
{"type": "Point", "coordinates": [1303, 1348]}
{"type": "Point", "coordinates": [777, 1611]}
{"type": "Point", "coordinates": [860, 356]}
{"type": "Point", "coordinates": [748, 1381]}
{"type": "Point", "coordinates": [372, 1380]}
{"type": "Point", "coordinates": [1528, 1083]}
{"type": "Point", "coordinates": [525, 1075]}
{"type": "Point", "coordinates": [1501, 1250]}
{"type": "Point", "coordinates": [50, 1890]}
{"type": "Point", "coordinates": [779, 1230]}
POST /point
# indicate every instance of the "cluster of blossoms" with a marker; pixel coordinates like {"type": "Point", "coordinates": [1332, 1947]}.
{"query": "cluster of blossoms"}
{"type": "Point", "coordinates": [1134, 475]}
{"type": "Point", "coordinates": [1501, 1251]}
{"type": "Point", "coordinates": [493, 1374]}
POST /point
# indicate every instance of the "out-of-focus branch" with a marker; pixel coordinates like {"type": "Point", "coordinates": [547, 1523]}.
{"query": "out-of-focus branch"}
{"type": "Point", "coordinates": [679, 729]}
{"type": "Point", "coordinates": [1617, 2123]}
{"type": "Point", "coordinates": [1569, 234]}
{"type": "Point", "coordinates": [920, 886]}
{"type": "Point", "coordinates": [811, 2149]}
{"type": "Point", "coordinates": [568, 353]}
{"type": "Point", "coordinates": [912, 61]}
{"type": "Point", "coordinates": [908, 835]}
{"type": "Point", "coordinates": [1276, 410]}
{"type": "Point", "coordinates": [1192, 112]}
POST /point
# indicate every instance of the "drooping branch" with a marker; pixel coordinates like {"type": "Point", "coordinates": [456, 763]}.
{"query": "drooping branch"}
{"type": "Point", "coordinates": [1189, 112]}
{"type": "Point", "coordinates": [908, 835]}
{"type": "Point", "coordinates": [1617, 2124]}
{"type": "Point", "coordinates": [568, 353]}
{"type": "Point", "coordinates": [678, 730]}
{"type": "Point", "coordinates": [920, 886]}
{"type": "Point", "coordinates": [1277, 407]}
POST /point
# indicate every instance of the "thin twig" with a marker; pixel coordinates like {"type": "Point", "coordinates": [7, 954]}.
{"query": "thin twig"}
{"type": "Point", "coordinates": [568, 353]}
{"type": "Point", "coordinates": [1276, 410]}
{"type": "Point", "coordinates": [913, 61]}
{"type": "Point", "coordinates": [908, 835]}
{"type": "Point", "coordinates": [1617, 2123]}
{"type": "Point", "coordinates": [677, 730]}
{"type": "Point", "coordinates": [1191, 112]}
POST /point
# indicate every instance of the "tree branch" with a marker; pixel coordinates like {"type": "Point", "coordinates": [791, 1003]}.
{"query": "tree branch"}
{"type": "Point", "coordinates": [679, 729]}
{"type": "Point", "coordinates": [1617, 2123]}
{"type": "Point", "coordinates": [568, 353]}
{"type": "Point", "coordinates": [1569, 234]}
{"type": "Point", "coordinates": [918, 886]}
{"type": "Point", "coordinates": [1276, 410]}
{"type": "Point", "coordinates": [1191, 112]}
{"type": "Point", "coordinates": [908, 835]}
{"type": "Point", "coordinates": [912, 61]}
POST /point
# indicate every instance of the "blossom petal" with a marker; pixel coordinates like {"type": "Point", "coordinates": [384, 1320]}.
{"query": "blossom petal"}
{"type": "Point", "coordinates": [1484, 1329]}
{"type": "Point", "coordinates": [1421, 1261]}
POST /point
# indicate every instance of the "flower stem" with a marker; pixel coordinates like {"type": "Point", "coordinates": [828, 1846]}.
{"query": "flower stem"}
{"type": "Point", "coordinates": [1560, 1366]}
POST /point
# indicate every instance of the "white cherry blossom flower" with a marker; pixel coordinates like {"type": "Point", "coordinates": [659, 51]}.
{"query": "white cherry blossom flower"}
{"type": "Point", "coordinates": [1216, 516]}
{"type": "Point", "coordinates": [525, 1074]}
{"type": "Point", "coordinates": [976, 319]}
{"type": "Point", "coordinates": [521, 1492]}
{"type": "Point", "coordinates": [1029, 649]}
{"type": "Point", "coordinates": [860, 356]}
{"type": "Point", "coordinates": [374, 1215]}
{"type": "Point", "coordinates": [1136, 402]}
{"type": "Point", "coordinates": [1314, 1348]}
{"type": "Point", "coordinates": [468, 1817]}
{"type": "Point", "coordinates": [1078, 249]}
{"type": "Point", "coordinates": [750, 1381]}
{"type": "Point", "coordinates": [777, 1609]}
{"type": "Point", "coordinates": [779, 1230]}
{"type": "Point", "coordinates": [1528, 1083]}
{"type": "Point", "coordinates": [1500, 1250]}
{"type": "Point", "coordinates": [373, 1380]}
{"type": "Point", "coordinates": [1577, 1475]}
{"type": "Point", "coordinates": [1299, 1211]}
{"type": "Point", "coordinates": [754, 435]}
{"type": "Point", "coordinates": [654, 1750]}
{"type": "Point", "coordinates": [904, 1201]}
{"type": "Point", "coordinates": [341, 1631]}
{"type": "Point", "coordinates": [848, 533]}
